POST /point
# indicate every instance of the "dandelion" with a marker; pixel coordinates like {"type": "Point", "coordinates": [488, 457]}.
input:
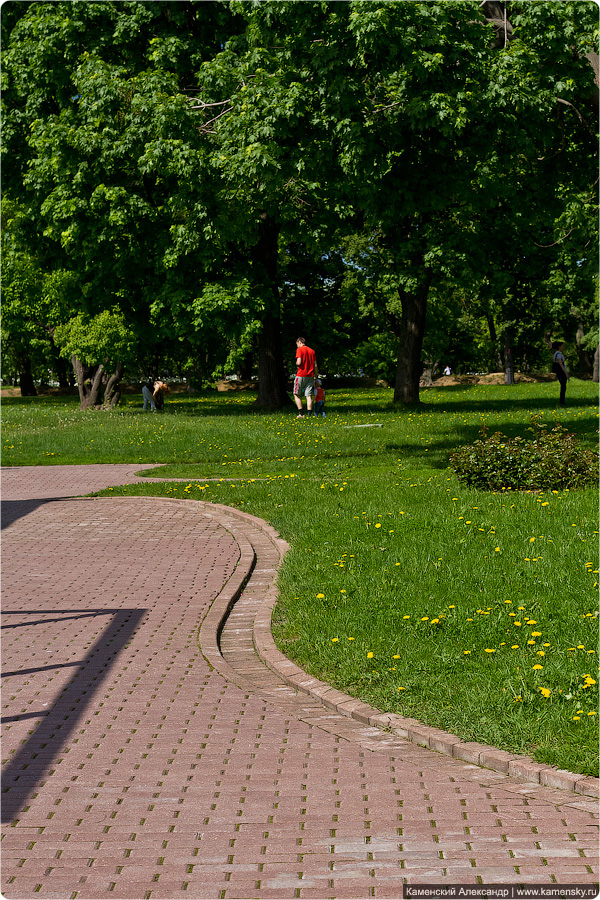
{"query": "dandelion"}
{"type": "Point", "coordinates": [515, 647]}
{"type": "Point", "coordinates": [333, 640]}
{"type": "Point", "coordinates": [320, 596]}
{"type": "Point", "coordinates": [537, 666]}
{"type": "Point", "coordinates": [576, 718]}
{"type": "Point", "coordinates": [540, 653]}
{"type": "Point", "coordinates": [401, 689]}
{"type": "Point", "coordinates": [489, 650]}
{"type": "Point", "coordinates": [370, 655]}
{"type": "Point", "coordinates": [545, 692]}
{"type": "Point", "coordinates": [536, 634]}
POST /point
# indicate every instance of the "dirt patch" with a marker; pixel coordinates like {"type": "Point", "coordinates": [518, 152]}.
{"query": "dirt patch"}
{"type": "Point", "coordinates": [491, 378]}
{"type": "Point", "coordinates": [236, 385]}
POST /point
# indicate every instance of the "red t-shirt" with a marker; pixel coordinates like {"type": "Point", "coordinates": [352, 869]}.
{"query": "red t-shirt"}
{"type": "Point", "coordinates": [308, 359]}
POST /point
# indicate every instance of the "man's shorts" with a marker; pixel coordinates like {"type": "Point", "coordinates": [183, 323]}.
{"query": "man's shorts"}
{"type": "Point", "coordinates": [304, 386]}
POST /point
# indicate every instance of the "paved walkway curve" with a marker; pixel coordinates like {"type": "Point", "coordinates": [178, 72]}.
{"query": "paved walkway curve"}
{"type": "Point", "coordinates": [150, 754]}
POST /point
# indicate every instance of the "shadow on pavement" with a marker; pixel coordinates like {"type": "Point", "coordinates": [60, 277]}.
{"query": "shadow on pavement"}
{"type": "Point", "coordinates": [39, 753]}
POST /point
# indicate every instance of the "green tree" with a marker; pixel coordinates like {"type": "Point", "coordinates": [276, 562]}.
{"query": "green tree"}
{"type": "Point", "coordinates": [460, 126]}
{"type": "Point", "coordinates": [34, 301]}
{"type": "Point", "coordinates": [102, 149]}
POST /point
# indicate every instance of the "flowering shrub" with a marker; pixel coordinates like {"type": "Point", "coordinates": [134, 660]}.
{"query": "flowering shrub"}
{"type": "Point", "coordinates": [550, 460]}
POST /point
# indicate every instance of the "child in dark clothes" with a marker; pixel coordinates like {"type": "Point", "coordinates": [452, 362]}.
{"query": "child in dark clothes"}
{"type": "Point", "coordinates": [319, 399]}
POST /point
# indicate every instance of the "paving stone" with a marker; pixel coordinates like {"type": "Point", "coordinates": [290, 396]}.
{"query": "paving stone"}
{"type": "Point", "coordinates": [221, 777]}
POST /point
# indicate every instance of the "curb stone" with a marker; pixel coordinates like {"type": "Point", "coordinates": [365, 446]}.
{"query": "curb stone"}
{"type": "Point", "coordinates": [473, 752]}
{"type": "Point", "coordinates": [434, 739]}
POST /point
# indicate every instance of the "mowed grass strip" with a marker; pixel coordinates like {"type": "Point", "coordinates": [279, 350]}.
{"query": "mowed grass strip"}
{"type": "Point", "coordinates": [471, 611]}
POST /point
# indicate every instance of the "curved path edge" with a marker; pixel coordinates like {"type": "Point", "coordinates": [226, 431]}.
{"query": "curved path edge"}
{"type": "Point", "coordinates": [436, 739]}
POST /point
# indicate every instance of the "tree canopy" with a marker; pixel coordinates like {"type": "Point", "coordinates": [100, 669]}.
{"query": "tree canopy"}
{"type": "Point", "coordinates": [193, 183]}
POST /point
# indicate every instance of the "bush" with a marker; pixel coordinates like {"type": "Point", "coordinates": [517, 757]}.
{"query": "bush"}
{"type": "Point", "coordinates": [550, 460]}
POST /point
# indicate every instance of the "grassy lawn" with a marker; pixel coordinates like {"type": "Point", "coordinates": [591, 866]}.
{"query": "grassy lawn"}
{"type": "Point", "coordinates": [472, 611]}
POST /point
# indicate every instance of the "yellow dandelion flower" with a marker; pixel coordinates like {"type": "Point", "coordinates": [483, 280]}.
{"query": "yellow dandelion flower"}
{"type": "Point", "coordinates": [591, 714]}
{"type": "Point", "coordinates": [370, 655]}
{"type": "Point", "coordinates": [425, 619]}
{"type": "Point", "coordinates": [576, 718]}
{"type": "Point", "coordinates": [536, 634]}
{"type": "Point", "coordinates": [320, 596]}
{"type": "Point", "coordinates": [396, 656]}
{"type": "Point", "coordinates": [515, 647]}
{"type": "Point", "coordinates": [545, 692]}
{"type": "Point", "coordinates": [401, 689]}
{"type": "Point", "coordinates": [540, 653]}
{"type": "Point", "coordinates": [333, 640]}
{"type": "Point", "coordinates": [489, 650]}
{"type": "Point", "coordinates": [466, 652]}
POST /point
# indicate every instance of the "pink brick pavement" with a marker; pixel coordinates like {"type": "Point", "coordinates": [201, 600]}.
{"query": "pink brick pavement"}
{"type": "Point", "coordinates": [145, 758]}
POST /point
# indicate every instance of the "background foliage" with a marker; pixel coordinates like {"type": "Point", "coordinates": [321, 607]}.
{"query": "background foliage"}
{"type": "Point", "coordinates": [405, 183]}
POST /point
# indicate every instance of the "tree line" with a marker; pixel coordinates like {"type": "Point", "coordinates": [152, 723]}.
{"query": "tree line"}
{"type": "Point", "coordinates": [190, 185]}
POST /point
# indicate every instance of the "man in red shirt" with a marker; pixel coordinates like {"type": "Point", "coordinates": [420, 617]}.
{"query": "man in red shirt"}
{"type": "Point", "coordinates": [306, 372]}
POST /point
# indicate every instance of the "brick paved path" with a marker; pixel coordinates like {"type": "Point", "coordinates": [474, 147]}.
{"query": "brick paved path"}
{"type": "Point", "coordinates": [145, 758]}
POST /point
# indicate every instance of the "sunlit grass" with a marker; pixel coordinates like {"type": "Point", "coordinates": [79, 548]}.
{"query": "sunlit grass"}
{"type": "Point", "coordinates": [472, 611]}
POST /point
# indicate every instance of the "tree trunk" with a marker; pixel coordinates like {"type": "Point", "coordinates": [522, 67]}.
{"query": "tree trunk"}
{"type": "Point", "coordinates": [89, 382]}
{"type": "Point", "coordinates": [595, 376]}
{"type": "Point", "coordinates": [497, 361]}
{"type": "Point", "coordinates": [411, 333]}
{"type": "Point", "coordinates": [509, 375]}
{"type": "Point", "coordinates": [272, 383]}
{"type": "Point", "coordinates": [62, 373]}
{"type": "Point", "coordinates": [586, 363]}
{"type": "Point", "coordinates": [112, 391]}
{"type": "Point", "coordinates": [26, 382]}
